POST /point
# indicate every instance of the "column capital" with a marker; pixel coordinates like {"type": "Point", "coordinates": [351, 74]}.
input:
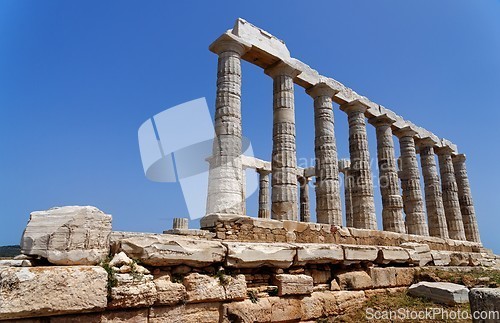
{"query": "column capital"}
{"type": "Point", "coordinates": [445, 150]}
{"type": "Point", "coordinates": [427, 142]}
{"type": "Point", "coordinates": [355, 105]}
{"type": "Point", "coordinates": [282, 68]}
{"type": "Point", "coordinates": [406, 131]}
{"type": "Point", "coordinates": [321, 89]}
{"type": "Point", "coordinates": [263, 172]}
{"type": "Point", "coordinates": [228, 42]}
{"type": "Point", "coordinates": [459, 158]}
{"type": "Point", "coordinates": [382, 120]}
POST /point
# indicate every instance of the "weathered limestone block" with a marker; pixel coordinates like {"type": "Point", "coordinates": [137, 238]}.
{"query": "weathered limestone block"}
{"type": "Point", "coordinates": [440, 258]}
{"type": "Point", "coordinates": [355, 253]}
{"type": "Point", "coordinates": [293, 284]}
{"type": "Point", "coordinates": [199, 313]}
{"type": "Point", "coordinates": [46, 291]}
{"type": "Point", "coordinates": [285, 309]}
{"type": "Point", "coordinates": [247, 311]}
{"type": "Point", "coordinates": [445, 293]}
{"type": "Point", "coordinates": [485, 300]}
{"type": "Point", "coordinates": [387, 255]}
{"type": "Point", "coordinates": [123, 316]}
{"type": "Point", "coordinates": [404, 276]}
{"type": "Point", "coordinates": [132, 291]}
{"type": "Point", "coordinates": [459, 259]}
{"type": "Point", "coordinates": [315, 253]}
{"type": "Point", "coordinates": [383, 277]}
{"type": "Point", "coordinates": [252, 255]}
{"type": "Point", "coordinates": [15, 263]}
{"type": "Point", "coordinates": [171, 250]}
{"type": "Point", "coordinates": [169, 293]}
{"type": "Point", "coordinates": [203, 288]}
{"type": "Point", "coordinates": [354, 280]}
{"type": "Point", "coordinates": [348, 300]}
{"type": "Point", "coordinates": [68, 235]}
{"type": "Point", "coordinates": [420, 254]}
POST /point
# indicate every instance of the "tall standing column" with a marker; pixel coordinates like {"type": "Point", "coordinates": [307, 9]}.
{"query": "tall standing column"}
{"type": "Point", "coordinates": [465, 198]}
{"type": "Point", "coordinates": [225, 175]}
{"type": "Point", "coordinates": [433, 197]}
{"type": "Point", "coordinates": [284, 205]}
{"type": "Point", "coordinates": [410, 184]}
{"type": "Point", "coordinates": [363, 206]}
{"type": "Point", "coordinates": [328, 205]}
{"type": "Point", "coordinates": [450, 194]}
{"type": "Point", "coordinates": [264, 209]}
{"type": "Point", "coordinates": [305, 213]}
{"type": "Point", "coordinates": [392, 203]}
{"type": "Point", "coordinates": [344, 168]}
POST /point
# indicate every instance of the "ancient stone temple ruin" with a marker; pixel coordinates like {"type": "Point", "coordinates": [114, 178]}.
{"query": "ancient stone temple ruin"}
{"type": "Point", "coordinates": [276, 266]}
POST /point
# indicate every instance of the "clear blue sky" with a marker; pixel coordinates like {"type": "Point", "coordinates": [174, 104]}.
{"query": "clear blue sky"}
{"type": "Point", "coordinates": [78, 78]}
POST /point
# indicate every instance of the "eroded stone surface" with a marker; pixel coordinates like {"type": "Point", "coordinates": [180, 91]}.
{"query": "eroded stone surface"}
{"type": "Point", "coordinates": [251, 255]}
{"type": "Point", "coordinates": [204, 288]}
{"type": "Point", "coordinates": [45, 291]}
{"type": "Point", "coordinates": [169, 250]}
{"type": "Point", "coordinates": [68, 235]}
{"type": "Point", "coordinates": [293, 284]}
{"type": "Point", "coordinates": [354, 280]}
{"type": "Point", "coordinates": [132, 291]}
{"type": "Point", "coordinates": [486, 300]}
{"type": "Point", "coordinates": [445, 293]}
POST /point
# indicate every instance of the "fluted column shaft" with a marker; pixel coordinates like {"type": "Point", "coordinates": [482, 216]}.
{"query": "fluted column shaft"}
{"type": "Point", "coordinates": [284, 160]}
{"type": "Point", "coordinates": [450, 195]}
{"type": "Point", "coordinates": [465, 198]}
{"type": "Point", "coordinates": [305, 214]}
{"type": "Point", "coordinates": [410, 184]}
{"type": "Point", "coordinates": [349, 217]}
{"type": "Point", "coordinates": [392, 203]}
{"type": "Point", "coordinates": [433, 197]}
{"type": "Point", "coordinates": [363, 206]}
{"type": "Point", "coordinates": [328, 203]}
{"type": "Point", "coordinates": [264, 209]}
{"type": "Point", "coordinates": [225, 175]}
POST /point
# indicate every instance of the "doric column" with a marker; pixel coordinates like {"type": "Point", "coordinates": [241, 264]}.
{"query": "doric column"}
{"type": "Point", "coordinates": [344, 168]}
{"type": "Point", "coordinates": [392, 203]}
{"type": "Point", "coordinates": [284, 160]}
{"type": "Point", "coordinates": [264, 209]}
{"type": "Point", "coordinates": [225, 175]}
{"type": "Point", "coordinates": [328, 205]}
{"type": "Point", "coordinates": [305, 214]}
{"type": "Point", "coordinates": [363, 206]}
{"type": "Point", "coordinates": [433, 198]}
{"type": "Point", "coordinates": [410, 183]}
{"type": "Point", "coordinates": [450, 194]}
{"type": "Point", "coordinates": [465, 198]}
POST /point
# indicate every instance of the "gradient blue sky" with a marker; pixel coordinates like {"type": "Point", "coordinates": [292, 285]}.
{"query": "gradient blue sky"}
{"type": "Point", "coordinates": [78, 78]}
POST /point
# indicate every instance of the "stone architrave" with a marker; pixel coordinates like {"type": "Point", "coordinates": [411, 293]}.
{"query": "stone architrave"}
{"type": "Point", "coordinates": [284, 199]}
{"type": "Point", "coordinates": [432, 186]}
{"type": "Point", "coordinates": [225, 175]}
{"type": "Point", "coordinates": [363, 205]}
{"type": "Point", "coordinates": [328, 205]}
{"type": "Point", "coordinates": [450, 194]}
{"type": "Point", "coordinates": [410, 183]}
{"type": "Point", "coordinates": [392, 203]}
{"type": "Point", "coordinates": [465, 199]}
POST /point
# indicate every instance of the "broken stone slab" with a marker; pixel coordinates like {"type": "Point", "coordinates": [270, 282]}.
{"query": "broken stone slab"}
{"type": "Point", "coordinates": [315, 253]}
{"type": "Point", "coordinates": [171, 250]}
{"type": "Point", "coordinates": [440, 258]}
{"type": "Point", "coordinates": [440, 292]}
{"type": "Point", "coordinates": [485, 304]}
{"type": "Point", "coordinates": [420, 254]}
{"type": "Point", "coordinates": [354, 280]}
{"type": "Point", "coordinates": [68, 235]}
{"type": "Point", "coordinates": [356, 254]}
{"type": "Point", "coordinates": [204, 288]}
{"type": "Point", "coordinates": [48, 291]}
{"type": "Point", "coordinates": [132, 291]}
{"type": "Point", "coordinates": [293, 284]}
{"type": "Point", "coordinates": [15, 263]}
{"type": "Point", "coordinates": [396, 255]}
{"type": "Point", "coordinates": [252, 255]}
